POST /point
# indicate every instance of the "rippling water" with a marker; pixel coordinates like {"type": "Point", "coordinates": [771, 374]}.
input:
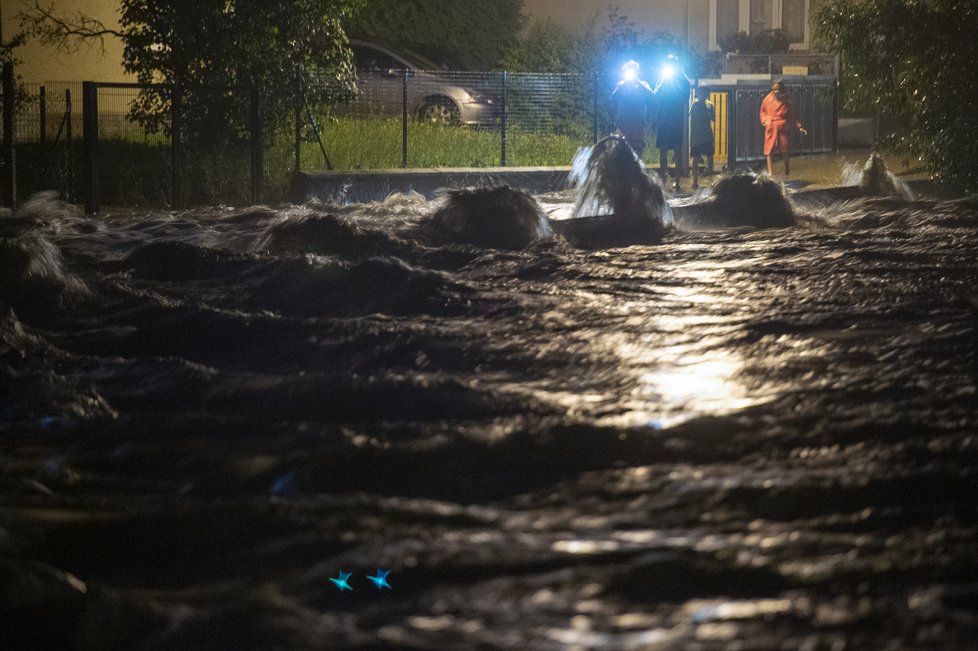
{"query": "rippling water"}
{"type": "Point", "coordinates": [738, 438]}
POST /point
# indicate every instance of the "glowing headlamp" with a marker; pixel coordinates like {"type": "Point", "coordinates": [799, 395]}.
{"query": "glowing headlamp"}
{"type": "Point", "coordinates": [668, 71]}
{"type": "Point", "coordinates": [629, 71]}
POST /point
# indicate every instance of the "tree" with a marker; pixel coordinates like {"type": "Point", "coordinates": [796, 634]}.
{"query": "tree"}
{"type": "Point", "coordinates": [914, 61]}
{"type": "Point", "coordinates": [621, 41]}
{"type": "Point", "coordinates": [214, 51]}
{"type": "Point", "coordinates": [8, 58]}
{"type": "Point", "coordinates": [546, 47]}
{"type": "Point", "coordinates": [473, 33]}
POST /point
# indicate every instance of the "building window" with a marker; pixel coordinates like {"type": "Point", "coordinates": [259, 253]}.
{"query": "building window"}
{"type": "Point", "coordinates": [754, 16]}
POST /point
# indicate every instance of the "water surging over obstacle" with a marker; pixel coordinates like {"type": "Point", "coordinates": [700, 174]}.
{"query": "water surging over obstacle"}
{"type": "Point", "coordinates": [500, 218]}
{"type": "Point", "coordinates": [616, 202]}
{"type": "Point", "coordinates": [33, 276]}
{"type": "Point", "coordinates": [876, 180]}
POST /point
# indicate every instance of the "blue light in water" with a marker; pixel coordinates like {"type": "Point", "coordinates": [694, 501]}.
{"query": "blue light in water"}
{"type": "Point", "coordinates": [381, 579]}
{"type": "Point", "coordinates": [284, 484]}
{"type": "Point", "coordinates": [54, 466]}
{"type": "Point", "coordinates": [342, 581]}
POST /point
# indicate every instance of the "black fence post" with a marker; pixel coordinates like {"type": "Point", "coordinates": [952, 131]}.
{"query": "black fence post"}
{"type": "Point", "coordinates": [594, 112]}
{"type": "Point", "coordinates": [69, 161]}
{"type": "Point", "coordinates": [502, 144]}
{"type": "Point", "coordinates": [404, 117]}
{"type": "Point", "coordinates": [90, 145]}
{"type": "Point", "coordinates": [176, 137]}
{"type": "Point", "coordinates": [835, 115]}
{"type": "Point", "coordinates": [731, 129]}
{"type": "Point", "coordinates": [298, 118]}
{"type": "Point", "coordinates": [257, 149]}
{"type": "Point", "coordinates": [9, 137]}
{"type": "Point", "coordinates": [42, 98]}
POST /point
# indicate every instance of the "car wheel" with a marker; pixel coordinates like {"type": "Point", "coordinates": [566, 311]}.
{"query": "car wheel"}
{"type": "Point", "coordinates": [438, 110]}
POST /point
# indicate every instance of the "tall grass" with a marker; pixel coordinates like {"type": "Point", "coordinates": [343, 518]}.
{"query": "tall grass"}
{"type": "Point", "coordinates": [138, 171]}
{"type": "Point", "coordinates": [377, 144]}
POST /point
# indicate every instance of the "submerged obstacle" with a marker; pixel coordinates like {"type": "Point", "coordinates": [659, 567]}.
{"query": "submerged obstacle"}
{"type": "Point", "coordinates": [743, 199]}
{"type": "Point", "coordinates": [500, 218]}
{"type": "Point", "coordinates": [616, 203]}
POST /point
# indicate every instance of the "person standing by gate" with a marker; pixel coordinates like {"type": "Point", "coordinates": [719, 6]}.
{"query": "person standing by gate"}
{"type": "Point", "coordinates": [701, 116]}
{"type": "Point", "coordinates": [778, 118]}
{"type": "Point", "coordinates": [631, 97]}
{"type": "Point", "coordinates": [672, 99]}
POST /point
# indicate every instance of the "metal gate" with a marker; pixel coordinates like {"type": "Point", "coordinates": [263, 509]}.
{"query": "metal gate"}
{"type": "Point", "coordinates": [119, 157]}
{"type": "Point", "coordinates": [814, 106]}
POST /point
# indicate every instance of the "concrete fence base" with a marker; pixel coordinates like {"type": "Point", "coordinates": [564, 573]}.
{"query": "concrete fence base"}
{"type": "Point", "coordinates": [375, 185]}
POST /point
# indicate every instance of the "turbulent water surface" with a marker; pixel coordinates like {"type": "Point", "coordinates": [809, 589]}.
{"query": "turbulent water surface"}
{"type": "Point", "coordinates": [737, 438]}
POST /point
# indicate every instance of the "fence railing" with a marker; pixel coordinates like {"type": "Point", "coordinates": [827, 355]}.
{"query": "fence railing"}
{"type": "Point", "coordinates": [80, 139]}
{"type": "Point", "coordinates": [782, 65]}
{"type": "Point", "coordinates": [815, 106]}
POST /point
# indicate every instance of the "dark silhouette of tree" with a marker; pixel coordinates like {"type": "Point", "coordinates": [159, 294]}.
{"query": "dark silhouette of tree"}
{"type": "Point", "coordinates": [214, 51]}
{"type": "Point", "coordinates": [914, 61]}
{"type": "Point", "coordinates": [545, 46]}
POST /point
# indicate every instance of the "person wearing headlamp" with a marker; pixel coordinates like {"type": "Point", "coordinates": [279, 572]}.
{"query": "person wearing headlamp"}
{"type": "Point", "coordinates": [632, 96]}
{"type": "Point", "coordinates": [672, 101]}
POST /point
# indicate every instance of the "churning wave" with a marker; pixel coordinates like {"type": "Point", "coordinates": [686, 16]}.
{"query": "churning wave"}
{"type": "Point", "coordinates": [743, 419]}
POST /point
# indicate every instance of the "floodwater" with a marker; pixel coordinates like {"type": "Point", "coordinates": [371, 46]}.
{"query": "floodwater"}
{"type": "Point", "coordinates": [737, 438]}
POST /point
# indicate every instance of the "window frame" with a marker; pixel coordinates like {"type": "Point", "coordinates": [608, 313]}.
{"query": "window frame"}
{"type": "Point", "coordinates": [744, 22]}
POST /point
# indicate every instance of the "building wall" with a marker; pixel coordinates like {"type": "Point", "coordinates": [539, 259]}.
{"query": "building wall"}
{"type": "Point", "coordinates": [649, 16]}
{"type": "Point", "coordinates": [90, 63]}
{"type": "Point", "coordinates": [86, 63]}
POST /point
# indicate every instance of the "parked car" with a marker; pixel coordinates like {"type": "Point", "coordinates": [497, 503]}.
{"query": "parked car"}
{"type": "Point", "coordinates": [433, 96]}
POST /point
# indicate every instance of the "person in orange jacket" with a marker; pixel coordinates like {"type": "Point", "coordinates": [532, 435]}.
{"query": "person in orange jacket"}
{"type": "Point", "coordinates": [778, 117]}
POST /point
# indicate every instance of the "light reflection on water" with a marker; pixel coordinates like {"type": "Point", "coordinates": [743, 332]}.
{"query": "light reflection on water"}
{"type": "Point", "coordinates": [465, 417]}
{"type": "Point", "coordinates": [674, 382]}
{"type": "Point", "coordinates": [699, 386]}
{"type": "Point", "coordinates": [650, 369]}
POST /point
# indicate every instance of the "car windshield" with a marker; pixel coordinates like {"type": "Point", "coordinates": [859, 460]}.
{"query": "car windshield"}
{"type": "Point", "coordinates": [418, 61]}
{"type": "Point", "coordinates": [371, 56]}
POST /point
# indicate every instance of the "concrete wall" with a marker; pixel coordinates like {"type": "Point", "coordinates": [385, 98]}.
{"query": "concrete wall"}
{"type": "Point", "coordinates": [86, 63]}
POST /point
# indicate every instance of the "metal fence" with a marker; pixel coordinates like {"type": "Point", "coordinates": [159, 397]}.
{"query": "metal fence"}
{"type": "Point", "coordinates": [815, 106]}
{"type": "Point", "coordinates": [80, 139]}
{"type": "Point", "coordinates": [570, 110]}
{"type": "Point", "coordinates": [782, 65]}
{"type": "Point", "coordinates": [396, 118]}
{"type": "Point", "coordinates": [40, 134]}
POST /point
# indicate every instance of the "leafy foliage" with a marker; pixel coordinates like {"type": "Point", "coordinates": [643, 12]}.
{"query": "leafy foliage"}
{"type": "Point", "coordinates": [214, 51]}
{"type": "Point", "coordinates": [915, 62]}
{"type": "Point", "coordinates": [474, 34]}
{"type": "Point", "coordinates": [546, 47]}
{"type": "Point", "coordinates": [598, 57]}
{"type": "Point", "coordinates": [8, 58]}
{"type": "Point", "coordinates": [8, 47]}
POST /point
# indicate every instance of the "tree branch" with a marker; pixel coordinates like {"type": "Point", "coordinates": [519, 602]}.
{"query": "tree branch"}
{"type": "Point", "coordinates": [64, 32]}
